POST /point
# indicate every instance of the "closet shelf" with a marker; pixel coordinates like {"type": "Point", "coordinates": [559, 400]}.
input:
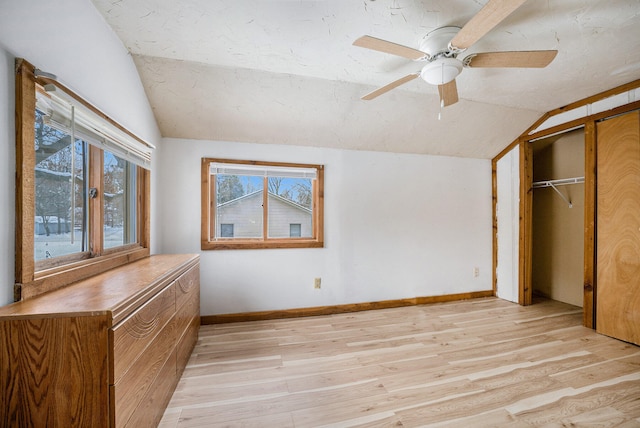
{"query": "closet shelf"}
{"type": "Point", "coordinates": [559, 182]}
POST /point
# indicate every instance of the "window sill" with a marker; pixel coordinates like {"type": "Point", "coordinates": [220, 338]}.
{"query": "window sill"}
{"type": "Point", "coordinates": [61, 276]}
{"type": "Point", "coordinates": [260, 245]}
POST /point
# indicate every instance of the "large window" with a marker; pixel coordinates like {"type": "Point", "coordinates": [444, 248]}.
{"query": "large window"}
{"type": "Point", "coordinates": [252, 204]}
{"type": "Point", "coordinates": [82, 203]}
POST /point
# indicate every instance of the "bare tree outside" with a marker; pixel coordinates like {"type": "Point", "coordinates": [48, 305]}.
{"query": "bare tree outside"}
{"type": "Point", "coordinates": [297, 190]}
{"type": "Point", "coordinates": [55, 180]}
{"type": "Point", "coordinates": [304, 195]}
{"type": "Point", "coordinates": [228, 187]}
{"type": "Point", "coordinates": [275, 183]}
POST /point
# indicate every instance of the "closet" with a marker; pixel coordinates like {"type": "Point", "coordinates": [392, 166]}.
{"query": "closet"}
{"type": "Point", "coordinates": [572, 231]}
{"type": "Point", "coordinates": [558, 217]}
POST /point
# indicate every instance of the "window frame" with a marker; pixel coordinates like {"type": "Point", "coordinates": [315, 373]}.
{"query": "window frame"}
{"type": "Point", "coordinates": [33, 278]}
{"type": "Point", "coordinates": [208, 212]}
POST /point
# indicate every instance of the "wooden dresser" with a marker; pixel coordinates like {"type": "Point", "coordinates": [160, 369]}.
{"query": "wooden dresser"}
{"type": "Point", "coordinates": [105, 351]}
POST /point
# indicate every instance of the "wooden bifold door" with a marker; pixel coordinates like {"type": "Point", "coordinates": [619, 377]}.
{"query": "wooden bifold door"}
{"type": "Point", "coordinates": [618, 227]}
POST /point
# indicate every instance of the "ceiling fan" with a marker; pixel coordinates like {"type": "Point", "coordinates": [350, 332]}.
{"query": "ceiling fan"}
{"type": "Point", "coordinates": [441, 47]}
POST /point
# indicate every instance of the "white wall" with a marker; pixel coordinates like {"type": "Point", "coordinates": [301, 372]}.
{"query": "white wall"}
{"type": "Point", "coordinates": [396, 226]}
{"type": "Point", "coordinates": [508, 212]}
{"type": "Point", "coordinates": [7, 179]}
{"type": "Point", "coordinates": [70, 39]}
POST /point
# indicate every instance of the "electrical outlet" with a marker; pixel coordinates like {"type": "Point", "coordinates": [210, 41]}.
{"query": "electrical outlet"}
{"type": "Point", "coordinates": [317, 283]}
{"type": "Point", "coordinates": [476, 272]}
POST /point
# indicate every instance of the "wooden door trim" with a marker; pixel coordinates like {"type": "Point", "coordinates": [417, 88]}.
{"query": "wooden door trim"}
{"type": "Point", "coordinates": [525, 256]}
{"type": "Point", "coordinates": [589, 302]}
{"type": "Point", "coordinates": [494, 214]}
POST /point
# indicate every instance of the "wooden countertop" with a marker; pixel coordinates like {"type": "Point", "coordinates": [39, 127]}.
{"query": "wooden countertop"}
{"type": "Point", "coordinates": [117, 292]}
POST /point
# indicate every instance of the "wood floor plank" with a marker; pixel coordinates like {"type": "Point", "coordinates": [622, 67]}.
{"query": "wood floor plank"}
{"type": "Point", "coordinates": [378, 407]}
{"type": "Point", "coordinates": [334, 378]}
{"type": "Point", "coordinates": [490, 419]}
{"type": "Point", "coordinates": [215, 394]}
{"type": "Point", "coordinates": [601, 417]}
{"type": "Point", "coordinates": [529, 371]}
{"type": "Point", "coordinates": [281, 420]}
{"type": "Point", "coordinates": [255, 376]}
{"type": "Point", "coordinates": [570, 406]}
{"type": "Point", "coordinates": [590, 374]}
{"type": "Point", "coordinates": [263, 406]}
{"type": "Point", "coordinates": [457, 407]}
{"type": "Point", "coordinates": [483, 362]}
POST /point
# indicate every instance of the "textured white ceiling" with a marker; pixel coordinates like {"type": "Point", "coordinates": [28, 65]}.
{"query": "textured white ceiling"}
{"type": "Point", "coordinates": [286, 72]}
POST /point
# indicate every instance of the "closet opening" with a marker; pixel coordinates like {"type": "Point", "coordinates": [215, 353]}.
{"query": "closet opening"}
{"type": "Point", "coordinates": [558, 213]}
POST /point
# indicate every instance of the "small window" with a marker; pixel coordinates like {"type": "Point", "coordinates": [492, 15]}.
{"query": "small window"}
{"type": "Point", "coordinates": [295, 230]}
{"type": "Point", "coordinates": [266, 204]}
{"type": "Point", "coordinates": [226, 230]}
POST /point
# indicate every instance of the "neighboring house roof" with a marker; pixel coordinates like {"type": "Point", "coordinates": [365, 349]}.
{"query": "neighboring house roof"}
{"type": "Point", "coordinates": [271, 195]}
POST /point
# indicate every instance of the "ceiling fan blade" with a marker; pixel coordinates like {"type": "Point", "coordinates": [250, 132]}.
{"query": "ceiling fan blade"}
{"type": "Point", "coordinates": [527, 59]}
{"type": "Point", "coordinates": [390, 86]}
{"type": "Point", "coordinates": [494, 12]}
{"type": "Point", "coordinates": [389, 47]}
{"type": "Point", "coordinates": [448, 93]}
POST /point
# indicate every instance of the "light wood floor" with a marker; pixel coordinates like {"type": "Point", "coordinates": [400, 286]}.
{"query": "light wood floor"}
{"type": "Point", "coordinates": [484, 362]}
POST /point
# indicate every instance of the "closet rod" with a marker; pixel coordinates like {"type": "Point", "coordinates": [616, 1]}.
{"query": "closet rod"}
{"type": "Point", "coordinates": [559, 182]}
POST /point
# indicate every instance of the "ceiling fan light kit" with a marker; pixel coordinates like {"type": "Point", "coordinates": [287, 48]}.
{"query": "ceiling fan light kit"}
{"type": "Point", "coordinates": [441, 70]}
{"type": "Point", "coordinates": [440, 48]}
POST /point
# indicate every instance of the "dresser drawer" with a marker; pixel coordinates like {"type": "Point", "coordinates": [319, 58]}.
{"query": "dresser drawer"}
{"type": "Point", "coordinates": [138, 382]}
{"type": "Point", "coordinates": [188, 321]}
{"type": "Point", "coordinates": [187, 284]}
{"type": "Point", "coordinates": [135, 333]}
{"type": "Point", "coordinates": [186, 345]}
{"type": "Point", "coordinates": [157, 396]}
{"type": "Point", "coordinates": [189, 311]}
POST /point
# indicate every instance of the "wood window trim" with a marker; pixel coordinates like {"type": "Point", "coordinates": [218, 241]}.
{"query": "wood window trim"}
{"type": "Point", "coordinates": [208, 197]}
{"type": "Point", "coordinates": [32, 279]}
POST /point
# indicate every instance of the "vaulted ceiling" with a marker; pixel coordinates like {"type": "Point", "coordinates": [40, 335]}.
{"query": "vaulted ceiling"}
{"type": "Point", "coordinates": [286, 72]}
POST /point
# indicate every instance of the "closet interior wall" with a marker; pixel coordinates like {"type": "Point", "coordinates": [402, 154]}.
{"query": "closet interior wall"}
{"type": "Point", "coordinates": [558, 228]}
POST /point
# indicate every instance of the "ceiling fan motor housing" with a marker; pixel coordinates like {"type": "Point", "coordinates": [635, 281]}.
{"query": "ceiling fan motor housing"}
{"type": "Point", "coordinates": [437, 41]}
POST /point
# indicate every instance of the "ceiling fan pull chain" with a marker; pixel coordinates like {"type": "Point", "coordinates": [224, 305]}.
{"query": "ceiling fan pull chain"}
{"type": "Point", "coordinates": [441, 92]}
